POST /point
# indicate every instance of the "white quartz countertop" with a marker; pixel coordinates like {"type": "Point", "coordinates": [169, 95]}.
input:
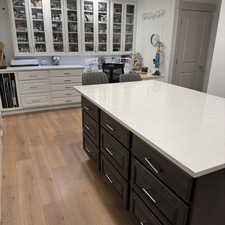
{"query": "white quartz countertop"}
{"type": "Point", "coordinates": [47, 67]}
{"type": "Point", "coordinates": [186, 126]}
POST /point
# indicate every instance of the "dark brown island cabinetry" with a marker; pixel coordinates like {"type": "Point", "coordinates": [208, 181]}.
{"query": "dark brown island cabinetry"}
{"type": "Point", "coordinates": [154, 189]}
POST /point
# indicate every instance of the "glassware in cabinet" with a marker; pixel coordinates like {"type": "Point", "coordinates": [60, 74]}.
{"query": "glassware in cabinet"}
{"type": "Point", "coordinates": [129, 29]}
{"type": "Point", "coordinates": [21, 26]}
{"type": "Point", "coordinates": [38, 25]}
{"type": "Point", "coordinates": [117, 27]}
{"type": "Point", "coordinates": [72, 13]}
{"type": "Point", "coordinates": [57, 25]}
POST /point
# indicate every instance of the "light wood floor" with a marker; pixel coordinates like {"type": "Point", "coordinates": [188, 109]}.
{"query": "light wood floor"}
{"type": "Point", "coordinates": [48, 179]}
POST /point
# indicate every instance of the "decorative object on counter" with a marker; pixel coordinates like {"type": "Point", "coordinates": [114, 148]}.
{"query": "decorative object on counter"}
{"type": "Point", "coordinates": [56, 60]}
{"type": "Point", "coordinates": [144, 69]}
{"type": "Point", "coordinates": [154, 15]}
{"type": "Point", "coordinates": [24, 62]}
{"type": "Point", "coordinates": [155, 41]}
{"type": "Point", "coordinates": [92, 65]}
{"type": "Point", "coordinates": [137, 61]}
{"type": "Point", "coordinates": [2, 56]}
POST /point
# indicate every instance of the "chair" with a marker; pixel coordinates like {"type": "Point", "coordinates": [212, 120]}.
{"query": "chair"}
{"type": "Point", "coordinates": [130, 77]}
{"type": "Point", "coordinates": [113, 70]}
{"type": "Point", "coordinates": [94, 78]}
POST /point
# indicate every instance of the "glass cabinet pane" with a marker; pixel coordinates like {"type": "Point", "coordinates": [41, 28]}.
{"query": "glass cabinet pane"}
{"type": "Point", "coordinates": [72, 20]}
{"type": "Point", "coordinates": [38, 25]}
{"type": "Point", "coordinates": [57, 25]}
{"type": "Point", "coordinates": [19, 10]}
{"type": "Point", "coordinates": [129, 31]}
{"type": "Point", "coordinates": [117, 26]}
{"type": "Point", "coordinates": [89, 25]}
{"type": "Point", "coordinates": [102, 26]}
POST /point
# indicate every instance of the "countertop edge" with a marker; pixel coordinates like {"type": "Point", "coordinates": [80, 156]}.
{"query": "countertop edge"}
{"type": "Point", "coordinates": [180, 165]}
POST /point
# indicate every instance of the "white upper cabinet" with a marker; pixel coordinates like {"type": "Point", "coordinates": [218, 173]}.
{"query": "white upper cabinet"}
{"type": "Point", "coordinates": [72, 27]}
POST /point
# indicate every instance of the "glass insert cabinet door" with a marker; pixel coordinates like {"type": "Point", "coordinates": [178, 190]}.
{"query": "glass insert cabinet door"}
{"type": "Point", "coordinates": [57, 25]}
{"type": "Point", "coordinates": [129, 27]}
{"type": "Point", "coordinates": [20, 18]}
{"type": "Point", "coordinates": [102, 25]}
{"type": "Point", "coordinates": [73, 23]}
{"type": "Point", "coordinates": [38, 25]}
{"type": "Point", "coordinates": [117, 26]}
{"type": "Point", "coordinates": [89, 25]}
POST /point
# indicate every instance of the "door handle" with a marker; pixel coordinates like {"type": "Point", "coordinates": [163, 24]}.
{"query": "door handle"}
{"type": "Point", "coordinates": [108, 178]}
{"type": "Point", "coordinates": [151, 165]}
{"type": "Point", "coordinates": [109, 127]}
{"type": "Point", "coordinates": [109, 151]}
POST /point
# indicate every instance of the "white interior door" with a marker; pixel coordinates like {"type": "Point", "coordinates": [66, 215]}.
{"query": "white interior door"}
{"type": "Point", "coordinates": [193, 47]}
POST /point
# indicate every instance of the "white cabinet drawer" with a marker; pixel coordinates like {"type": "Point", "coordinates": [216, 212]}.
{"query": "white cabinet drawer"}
{"type": "Point", "coordinates": [67, 93]}
{"type": "Point", "coordinates": [35, 100]}
{"type": "Point", "coordinates": [65, 73]}
{"type": "Point", "coordinates": [63, 87]}
{"type": "Point", "coordinates": [33, 75]}
{"type": "Point", "coordinates": [27, 87]}
{"type": "Point", "coordinates": [65, 80]}
{"type": "Point", "coordinates": [67, 100]}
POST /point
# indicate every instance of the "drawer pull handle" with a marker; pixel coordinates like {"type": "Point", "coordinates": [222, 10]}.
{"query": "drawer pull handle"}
{"type": "Point", "coordinates": [109, 127]}
{"type": "Point", "coordinates": [86, 108]}
{"type": "Point", "coordinates": [108, 178]}
{"type": "Point", "coordinates": [67, 73]}
{"type": "Point", "coordinates": [109, 151]}
{"type": "Point", "coordinates": [146, 192]}
{"type": "Point", "coordinates": [67, 80]}
{"type": "Point", "coordinates": [87, 127]}
{"type": "Point", "coordinates": [142, 223]}
{"type": "Point", "coordinates": [150, 164]}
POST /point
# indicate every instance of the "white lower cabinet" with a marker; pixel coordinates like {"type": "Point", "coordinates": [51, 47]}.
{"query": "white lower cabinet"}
{"type": "Point", "coordinates": [49, 88]}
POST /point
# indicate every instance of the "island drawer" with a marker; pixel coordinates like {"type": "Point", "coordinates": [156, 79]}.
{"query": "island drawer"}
{"type": "Point", "coordinates": [141, 212]}
{"type": "Point", "coordinates": [116, 153]}
{"type": "Point", "coordinates": [165, 170]}
{"type": "Point", "coordinates": [90, 108]}
{"type": "Point", "coordinates": [115, 129]}
{"type": "Point", "coordinates": [91, 149]}
{"type": "Point", "coordinates": [91, 128]}
{"type": "Point", "coordinates": [118, 183]}
{"type": "Point", "coordinates": [157, 196]}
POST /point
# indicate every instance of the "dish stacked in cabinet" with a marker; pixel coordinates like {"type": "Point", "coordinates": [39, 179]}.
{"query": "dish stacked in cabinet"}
{"type": "Point", "coordinates": [34, 88]}
{"type": "Point", "coordinates": [62, 84]}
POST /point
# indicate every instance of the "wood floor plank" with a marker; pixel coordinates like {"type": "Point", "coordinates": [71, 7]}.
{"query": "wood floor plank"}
{"type": "Point", "coordinates": [47, 177]}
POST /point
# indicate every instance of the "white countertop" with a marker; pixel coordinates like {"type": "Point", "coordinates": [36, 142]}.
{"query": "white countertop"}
{"type": "Point", "coordinates": [47, 67]}
{"type": "Point", "coordinates": [188, 127]}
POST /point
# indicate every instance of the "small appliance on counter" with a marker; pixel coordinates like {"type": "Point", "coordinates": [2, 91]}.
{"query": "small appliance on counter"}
{"type": "Point", "coordinates": [24, 62]}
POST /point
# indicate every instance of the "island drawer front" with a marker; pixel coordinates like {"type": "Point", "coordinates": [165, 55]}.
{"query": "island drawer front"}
{"type": "Point", "coordinates": [66, 73]}
{"type": "Point", "coordinates": [166, 171]}
{"type": "Point", "coordinates": [118, 183]}
{"type": "Point", "coordinates": [116, 153]}
{"type": "Point", "coordinates": [157, 196]}
{"type": "Point", "coordinates": [90, 149]}
{"type": "Point", "coordinates": [91, 128]}
{"type": "Point", "coordinates": [141, 212]}
{"type": "Point", "coordinates": [33, 75]}
{"type": "Point", "coordinates": [91, 109]}
{"type": "Point", "coordinates": [115, 129]}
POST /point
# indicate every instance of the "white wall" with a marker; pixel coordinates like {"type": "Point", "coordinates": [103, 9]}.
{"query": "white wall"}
{"type": "Point", "coordinates": [216, 84]}
{"type": "Point", "coordinates": [164, 26]}
{"type": "Point", "coordinates": [5, 33]}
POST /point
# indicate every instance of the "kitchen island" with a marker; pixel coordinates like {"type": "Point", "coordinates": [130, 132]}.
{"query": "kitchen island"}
{"type": "Point", "coordinates": [161, 147]}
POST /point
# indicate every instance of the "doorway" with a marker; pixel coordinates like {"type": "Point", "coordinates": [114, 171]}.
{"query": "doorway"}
{"type": "Point", "coordinates": [193, 40]}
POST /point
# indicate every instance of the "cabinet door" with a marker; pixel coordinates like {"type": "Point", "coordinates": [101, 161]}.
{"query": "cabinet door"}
{"type": "Point", "coordinates": [20, 27]}
{"type": "Point", "coordinates": [102, 7]}
{"type": "Point", "coordinates": [72, 12]}
{"type": "Point", "coordinates": [38, 26]}
{"type": "Point", "coordinates": [130, 21]}
{"type": "Point", "coordinates": [89, 26]}
{"type": "Point", "coordinates": [117, 26]}
{"type": "Point", "coordinates": [57, 17]}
